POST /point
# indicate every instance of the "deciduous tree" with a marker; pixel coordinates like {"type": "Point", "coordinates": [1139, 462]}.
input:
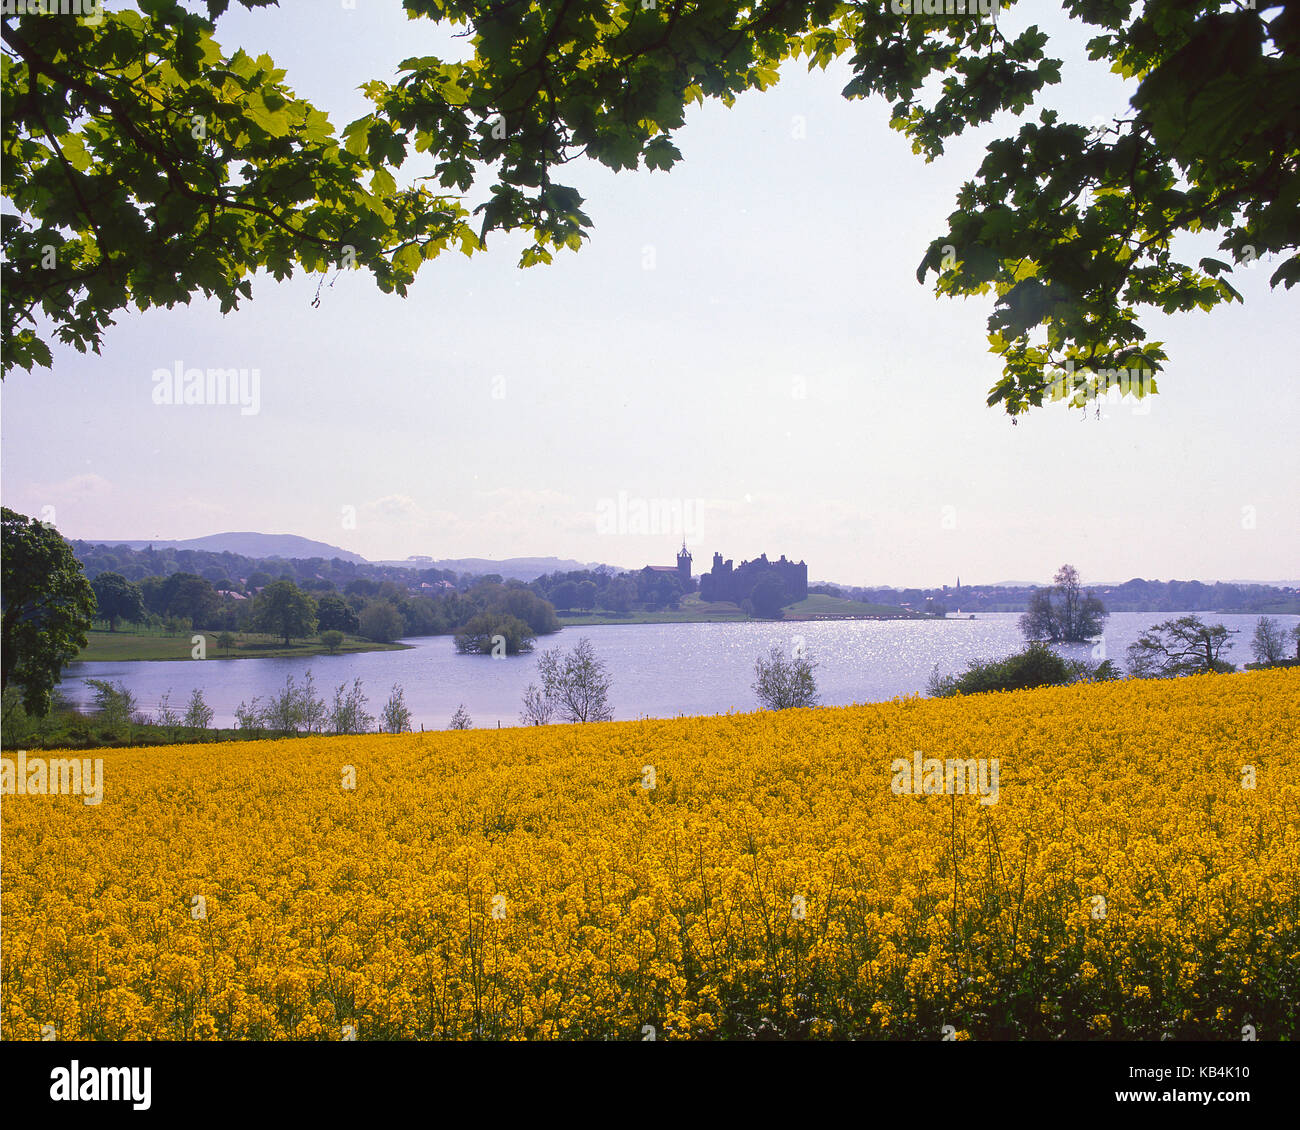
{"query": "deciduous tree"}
{"type": "Point", "coordinates": [1268, 644]}
{"type": "Point", "coordinates": [117, 599]}
{"type": "Point", "coordinates": [152, 164]}
{"type": "Point", "coordinates": [1063, 612]}
{"type": "Point", "coordinates": [47, 607]}
{"type": "Point", "coordinates": [147, 164]}
{"type": "Point", "coordinates": [396, 714]}
{"type": "Point", "coordinates": [1185, 646]}
{"type": "Point", "coordinates": [380, 621]}
{"type": "Point", "coordinates": [783, 682]}
{"type": "Point", "coordinates": [284, 610]}
{"type": "Point", "coordinates": [577, 684]}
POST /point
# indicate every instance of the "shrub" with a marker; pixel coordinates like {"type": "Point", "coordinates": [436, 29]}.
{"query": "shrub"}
{"type": "Point", "coordinates": [575, 685]}
{"type": "Point", "coordinates": [283, 711]}
{"type": "Point", "coordinates": [248, 716]}
{"type": "Point", "coordinates": [940, 686]}
{"type": "Point", "coordinates": [395, 715]}
{"type": "Point", "coordinates": [1037, 666]}
{"type": "Point", "coordinates": [198, 714]}
{"type": "Point", "coordinates": [537, 709]}
{"type": "Point", "coordinates": [348, 714]}
{"type": "Point", "coordinates": [115, 705]}
{"type": "Point", "coordinates": [782, 683]}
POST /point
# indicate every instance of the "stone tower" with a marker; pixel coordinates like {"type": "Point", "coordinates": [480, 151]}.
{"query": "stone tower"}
{"type": "Point", "coordinates": [684, 563]}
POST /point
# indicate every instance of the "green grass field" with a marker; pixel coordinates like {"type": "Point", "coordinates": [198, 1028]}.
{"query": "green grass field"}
{"type": "Point", "coordinates": [818, 604]}
{"type": "Point", "coordinates": [103, 646]}
{"type": "Point", "coordinates": [693, 610]}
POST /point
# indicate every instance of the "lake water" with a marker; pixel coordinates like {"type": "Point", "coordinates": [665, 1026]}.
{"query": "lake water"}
{"type": "Point", "coordinates": [657, 670]}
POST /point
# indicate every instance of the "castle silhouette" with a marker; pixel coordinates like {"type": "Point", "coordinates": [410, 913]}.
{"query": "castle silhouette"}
{"type": "Point", "coordinates": [726, 581]}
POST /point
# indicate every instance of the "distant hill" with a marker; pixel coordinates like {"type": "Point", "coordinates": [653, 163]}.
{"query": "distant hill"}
{"type": "Point", "coordinates": [509, 568]}
{"type": "Point", "coordinates": [247, 544]}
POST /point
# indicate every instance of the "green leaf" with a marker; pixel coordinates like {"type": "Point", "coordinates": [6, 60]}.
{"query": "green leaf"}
{"type": "Point", "coordinates": [661, 153]}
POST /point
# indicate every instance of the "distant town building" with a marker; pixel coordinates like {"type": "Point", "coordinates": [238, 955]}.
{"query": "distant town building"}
{"type": "Point", "coordinates": [727, 582]}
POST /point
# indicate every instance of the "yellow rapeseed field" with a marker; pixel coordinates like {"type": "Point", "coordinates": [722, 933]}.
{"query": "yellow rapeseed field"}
{"type": "Point", "coordinates": [738, 876]}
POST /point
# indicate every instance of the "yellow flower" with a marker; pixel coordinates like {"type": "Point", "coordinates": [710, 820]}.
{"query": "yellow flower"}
{"type": "Point", "coordinates": [510, 885]}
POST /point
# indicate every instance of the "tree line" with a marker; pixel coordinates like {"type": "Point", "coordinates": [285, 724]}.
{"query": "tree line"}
{"type": "Point", "coordinates": [607, 589]}
{"type": "Point", "coordinates": [48, 605]}
{"type": "Point", "coordinates": [1135, 595]}
{"type": "Point", "coordinates": [1181, 646]}
{"type": "Point", "coordinates": [377, 611]}
{"type": "Point", "coordinates": [236, 572]}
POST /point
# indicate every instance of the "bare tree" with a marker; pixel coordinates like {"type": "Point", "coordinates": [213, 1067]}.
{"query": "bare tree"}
{"type": "Point", "coordinates": [396, 715]}
{"type": "Point", "coordinates": [198, 714]}
{"type": "Point", "coordinates": [167, 717]}
{"type": "Point", "coordinates": [315, 714]}
{"type": "Point", "coordinates": [577, 684]}
{"type": "Point", "coordinates": [782, 683]}
{"type": "Point", "coordinates": [461, 719]}
{"type": "Point", "coordinates": [349, 714]}
{"type": "Point", "coordinates": [1269, 644]}
{"type": "Point", "coordinates": [248, 716]}
{"type": "Point", "coordinates": [283, 711]}
{"type": "Point", "coordinates": [537, 709]}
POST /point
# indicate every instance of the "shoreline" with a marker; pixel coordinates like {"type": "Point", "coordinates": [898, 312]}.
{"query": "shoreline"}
{"type": "Point", "coordinates": [183, 647]}
{"type": "Point", "coordinates": [582, 622]}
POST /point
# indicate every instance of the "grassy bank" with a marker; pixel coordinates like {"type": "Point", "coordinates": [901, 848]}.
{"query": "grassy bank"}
{"type": "Point", "coordinates": [818, 606]}
{"type": "Point", "coordinates": [693, 610]}
{"type": "Point", "coordinates": [123, 646]}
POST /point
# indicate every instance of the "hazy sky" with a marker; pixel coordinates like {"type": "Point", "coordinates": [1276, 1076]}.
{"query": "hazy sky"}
{"type": "Point", "coordinates": [743, 338]}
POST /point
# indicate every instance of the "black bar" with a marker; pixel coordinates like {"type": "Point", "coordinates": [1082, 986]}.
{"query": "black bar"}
{"type": "Point", "coordinates": [361, 1078]}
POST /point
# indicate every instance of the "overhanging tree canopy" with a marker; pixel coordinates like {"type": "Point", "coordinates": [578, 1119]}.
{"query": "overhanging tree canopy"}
{"type": "Point", "coordinates": [145, 164]}
{"type": "Point", "coordinates": [1069, 228]}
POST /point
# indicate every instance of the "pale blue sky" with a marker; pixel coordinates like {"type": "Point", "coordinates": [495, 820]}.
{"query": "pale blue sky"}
{"type": "Point", "coordinates": [493, 411]}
